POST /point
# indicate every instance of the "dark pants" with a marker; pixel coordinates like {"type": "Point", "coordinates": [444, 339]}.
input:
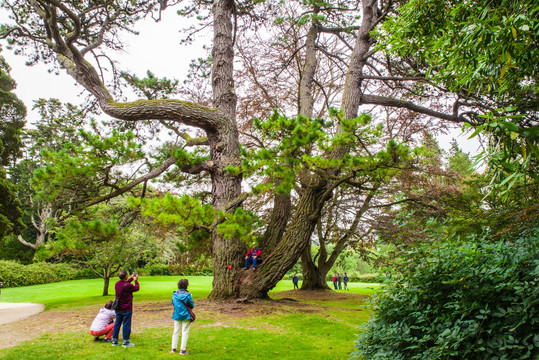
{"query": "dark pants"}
{"type": "Point", "coordinates": [250, 261]}
{"type": "Point", "coordinates": [296, 285]}
{"type": "Point", "coordinates": [122, 317]}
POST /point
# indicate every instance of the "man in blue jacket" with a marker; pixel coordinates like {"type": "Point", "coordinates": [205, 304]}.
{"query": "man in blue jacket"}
{"type": "Point", "coordinates": [181, 299]}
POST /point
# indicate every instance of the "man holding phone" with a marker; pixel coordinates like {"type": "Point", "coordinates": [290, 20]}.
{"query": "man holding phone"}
{"type": "Point", "coordinates": [124, 293]}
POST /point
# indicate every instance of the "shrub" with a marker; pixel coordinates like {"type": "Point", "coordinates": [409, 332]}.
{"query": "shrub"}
{"type": "Point", "coordinates": [196, 271]}
{"type": "Point", "coordinates": [368, 278]}
{"type": "Point", "coordinates": [157, 270]}
{"type": "Point", "coordinates": [85, 273]}
{"type": "Point", "coordinates": [13, 274]}
{"type": "Point", "coordinates": [472, 301]}
{"type": "Point", "coordinates": [174, 270]}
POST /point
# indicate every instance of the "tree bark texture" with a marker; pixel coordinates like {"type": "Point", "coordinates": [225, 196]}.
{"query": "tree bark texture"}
{"type": "Point", "coordinates": [219, 123]}
{"type": "Point", "coordinates": [306, 101]}
{"type": "Point", "coordinates": [314, 277]}
{"type": "Point", "coordinates": [220, 126]}
{"type": "Point", "coordinates": [106, 282]}
{"type": "Point", "coordinates": [282, 205]}
{"type": "Point", "coordinates": [41, 227]}
{"type": "Point", "coordinates": [298, 233]}
{"type": "Point", "coordinates": [224, 150]}
{"type": "Point", "coordinates": [354, 78]}
{"type": "Point", "coordinates": [297, 236]}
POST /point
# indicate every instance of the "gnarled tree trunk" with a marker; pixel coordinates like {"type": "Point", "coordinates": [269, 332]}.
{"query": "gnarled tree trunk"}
{"type": "Point", "coordinates": [256, 284]}
{"type": "Point", "coordinates": [298, 233]}
{"type": "Point", "coordinates": [314, 277]}
{"type": "Point", "coordinates": [315, 274]}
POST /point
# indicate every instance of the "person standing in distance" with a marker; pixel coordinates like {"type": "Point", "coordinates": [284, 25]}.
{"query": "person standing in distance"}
{"type": "Point", "coordinates": [181, 298]}
{"type": "Point", "coordinates": [124, 292]}
{"type": "Point", "coordinates": [295, 281]}
{"type": "Point", "coordinates": [345, 279]}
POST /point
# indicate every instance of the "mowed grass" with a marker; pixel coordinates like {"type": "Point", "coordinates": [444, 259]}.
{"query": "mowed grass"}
{"type": "Point", "coordinates": [316, 330]}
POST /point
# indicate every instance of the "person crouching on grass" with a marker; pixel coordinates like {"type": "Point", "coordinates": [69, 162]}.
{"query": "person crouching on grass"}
{"type": "Point", "coordinates": [103, 323]}
{"type": "Point", "coordinates": [181, 316]}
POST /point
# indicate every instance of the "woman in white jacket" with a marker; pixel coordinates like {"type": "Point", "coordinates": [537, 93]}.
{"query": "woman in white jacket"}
{"type": "Point", "coordinates": [103, 323]}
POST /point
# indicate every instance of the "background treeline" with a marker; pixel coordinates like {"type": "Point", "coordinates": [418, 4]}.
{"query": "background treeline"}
{"type": "Point", "coordinates": [14, 274]}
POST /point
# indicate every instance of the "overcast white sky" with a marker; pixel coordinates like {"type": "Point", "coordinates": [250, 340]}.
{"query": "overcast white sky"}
{"type": "Point", "coordinates": [156, 48]}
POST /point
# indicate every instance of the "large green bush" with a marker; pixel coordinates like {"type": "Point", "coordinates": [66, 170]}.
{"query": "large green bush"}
{"type": "Point", "coordinates": [174, 270]}
{"type": "Point", "coordinates": [13, 274]}
{"type": "Point", "coordinates": [468, 301]}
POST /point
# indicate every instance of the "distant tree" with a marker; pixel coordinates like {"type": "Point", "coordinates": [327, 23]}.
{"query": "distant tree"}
{"type": "Point", "coordinates": [459, 161]}
{"type": "Point", "coordinates": [99, 242]}
{"type": "Point", "coordinates": [58, 126]}
{"type": "Point", "coordinates": [12, 116]}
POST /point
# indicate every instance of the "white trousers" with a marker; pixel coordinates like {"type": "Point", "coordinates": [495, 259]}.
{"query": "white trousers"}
{"type": "Point", "coordinates": [184, 326]}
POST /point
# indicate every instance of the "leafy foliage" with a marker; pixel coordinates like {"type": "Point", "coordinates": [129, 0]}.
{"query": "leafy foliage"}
{"type": "Point", "coordinates": [297, 145]}
{"type": "Point", "coordinates": [12, 114]}
{"type": "Point", "coordinates": [485, 50]}
{"type": "Point", "coordinates": [490, 44]}
{"type": "Point", "coordinates": [97, 241]}
{"type": "Point", "coordinates": [13, 274]}
{"type": "Point", "coordinates": [194, 220]}
{"type": "Point", "coordinates": [10, 212]}
{"type": "Point", "coordinates": [241, 224]}
{"type": "Point", "coordinates": [151, 87]}
{"type": "Point", "coordinates": [469, 300]}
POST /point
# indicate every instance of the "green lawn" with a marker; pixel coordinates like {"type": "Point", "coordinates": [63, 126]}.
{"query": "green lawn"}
{"type": "Point", "coordinates": [313, 330]}
{"type": "Point", "coordinates": [79, 293]}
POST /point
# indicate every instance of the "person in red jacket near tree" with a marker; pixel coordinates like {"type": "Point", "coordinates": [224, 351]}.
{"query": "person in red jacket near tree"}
{"type": "Point", "coordinates": [251, 257]}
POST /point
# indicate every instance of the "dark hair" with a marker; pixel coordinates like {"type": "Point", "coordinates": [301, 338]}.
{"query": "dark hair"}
{"type": "Point", "coordinates": [183, 284]}
{"type": "Point", "coordinates": [108, 305]}
{"type": "Point", "coordinates": [122, 274]}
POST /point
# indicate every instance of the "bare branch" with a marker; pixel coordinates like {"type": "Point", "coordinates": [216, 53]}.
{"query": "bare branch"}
{"type": "Point", "coordinates": [384, 101]}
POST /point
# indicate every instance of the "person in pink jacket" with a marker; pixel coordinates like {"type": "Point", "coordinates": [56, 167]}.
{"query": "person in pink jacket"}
{"type": "Point", "coordinates": [103, 323]}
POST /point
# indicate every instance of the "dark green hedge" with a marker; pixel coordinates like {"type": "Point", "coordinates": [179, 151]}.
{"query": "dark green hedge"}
{"type": "Point", "coordinates": [468, 301]}
{"type": "Point", "coordinates": [173, 270]}
{"type": "Point", "coordinates": [13, 274]}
